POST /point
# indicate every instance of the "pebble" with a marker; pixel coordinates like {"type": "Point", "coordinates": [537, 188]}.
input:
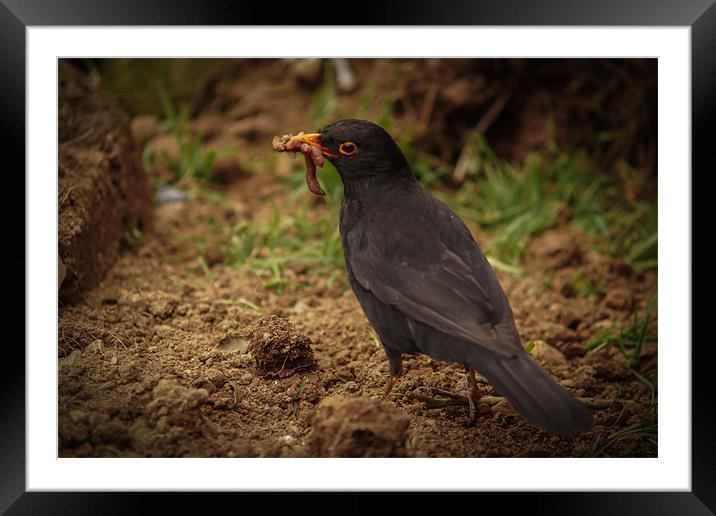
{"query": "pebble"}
{"type": "Point", "coordinates": [546, 354]}
{"type": "Point", "coordinates": [169, 194]}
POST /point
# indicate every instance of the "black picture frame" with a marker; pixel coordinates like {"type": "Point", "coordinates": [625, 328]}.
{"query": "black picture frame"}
{"type": "Point", "coordinates": [17, 15]}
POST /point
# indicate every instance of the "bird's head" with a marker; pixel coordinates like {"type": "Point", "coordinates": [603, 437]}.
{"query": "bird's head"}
{"type": "Point", "coordinates": [360, 150]}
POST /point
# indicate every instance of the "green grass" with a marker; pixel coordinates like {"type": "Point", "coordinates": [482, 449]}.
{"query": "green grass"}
{"type": "Point", "coordinates": [291, 237]}
{"type": "Point", "coordinates": [632, 434]}
{"type": "Point", "coordinates": [630, 340]}
{"type": "Point", "coordinates": [299, 245]}
{"type": "Point", "coordinates": [193, 161]}
{"type": "Point", "coordinates": [510, 204]}
{"type": "Point", "coordinates": [582, 286]}
{"type": "Point", "coordinates": [516, 204]}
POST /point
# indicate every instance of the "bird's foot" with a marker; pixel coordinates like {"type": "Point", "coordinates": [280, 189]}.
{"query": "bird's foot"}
{"type": "Point", "coordinates": [389, 386]}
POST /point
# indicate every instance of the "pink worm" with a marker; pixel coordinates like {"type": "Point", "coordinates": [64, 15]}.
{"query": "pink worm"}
{"type": "Point", "coordinates": [311, 154]}
{"type": "Point", "coordinates": [313, 157]}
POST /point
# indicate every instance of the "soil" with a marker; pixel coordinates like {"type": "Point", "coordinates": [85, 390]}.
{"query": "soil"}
{"type": "Point", "coordinates": [358, 427]}
{"type": "Point", "coordinates": [160, 360]}
{"type": "Point", "coordinates": [104, 196]}
{"type": "Point", "coordinates": [278, 349]}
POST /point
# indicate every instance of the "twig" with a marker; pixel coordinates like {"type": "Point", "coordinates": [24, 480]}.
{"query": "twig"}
{"type": "Point", "coordinates": [432, 403]}
{"type": "Point", "coordinates": [118, 339]}
{"type": "Point", "coordinates": [66, 195]}
{"type": "Point", "coordinates": [427, 110]}
{"type": "Point", "coordinates": [495, 109]}
{"type": "Point", "coordinates": [466, 154]}
{"type": "Point", "coordinates": [451, 399]}
{"type": "Point", "coordinates": [78, 138]}
{"type": "Point", "coordinates": [272, 374]}
{"type": "Point", "coordinates": [237, 398]}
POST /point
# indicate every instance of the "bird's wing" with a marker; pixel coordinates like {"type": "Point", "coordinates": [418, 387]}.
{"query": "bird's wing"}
{"type": "Point", "coordinates": [454, 291]}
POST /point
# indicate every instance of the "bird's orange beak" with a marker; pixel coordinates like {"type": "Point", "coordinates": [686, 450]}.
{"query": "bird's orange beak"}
{"type": "Point", "coordinates": [315, 140]}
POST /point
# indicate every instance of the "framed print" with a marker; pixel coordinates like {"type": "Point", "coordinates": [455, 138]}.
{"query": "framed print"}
{"type": "Point", "coordinates": [464, 283]}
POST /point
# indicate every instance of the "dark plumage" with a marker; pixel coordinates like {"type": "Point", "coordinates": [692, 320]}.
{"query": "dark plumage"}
{"type": "Point", "coordinates": [424, 283]}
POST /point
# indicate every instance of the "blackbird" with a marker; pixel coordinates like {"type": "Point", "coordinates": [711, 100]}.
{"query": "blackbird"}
{"type": "Point", "coordinates": [424, 283]}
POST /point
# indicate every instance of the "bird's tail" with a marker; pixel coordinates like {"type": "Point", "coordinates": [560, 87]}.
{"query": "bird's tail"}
{"type": "Point", "coordinates": [535, 394]}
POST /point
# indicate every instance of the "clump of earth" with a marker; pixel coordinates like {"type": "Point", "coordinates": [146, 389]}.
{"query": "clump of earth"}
{"type": "Point", "coordinates": [359, 427]}
{"type": "Point", "coordinates": [279, 349]}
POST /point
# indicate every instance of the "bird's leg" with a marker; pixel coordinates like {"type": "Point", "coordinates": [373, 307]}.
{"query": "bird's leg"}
{"type": "Point", "coordinates": [395, 367]}
{"type": "Point", "coordinates": [389, 386]}
{"type": "Point", "coordinates": [474, 396]}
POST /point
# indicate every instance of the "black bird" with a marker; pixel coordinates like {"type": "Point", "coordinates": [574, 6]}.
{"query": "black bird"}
{"type": "Point", "coordinates": [425, 284]}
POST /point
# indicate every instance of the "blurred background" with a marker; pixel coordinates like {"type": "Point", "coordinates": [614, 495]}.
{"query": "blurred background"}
{"type": "Point", "coordinates": [550, 162]}
{"type": "Point", "coordinates": [516, 146]}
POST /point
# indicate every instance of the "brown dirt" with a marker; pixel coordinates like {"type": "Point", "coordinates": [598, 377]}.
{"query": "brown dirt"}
{"type": "Point", "coordinates": [278, 349]}
{"type": "Point", "coordinates": [103, 192]}
{"type": "Point", "coordinates": [358, 427]}
{"type": "Point", "coordinates": [520, 105]}
{"type": "Point", "coordinates": [159, 360]}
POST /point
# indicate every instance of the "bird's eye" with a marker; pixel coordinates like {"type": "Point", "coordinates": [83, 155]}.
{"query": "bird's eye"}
{"type": "Point", "coordinates": [348, 148]}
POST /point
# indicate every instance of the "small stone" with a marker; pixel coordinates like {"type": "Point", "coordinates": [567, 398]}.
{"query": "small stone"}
{"type": "Point", "coordinates": [300, 308]}
{"type": "Point", "coordinates": [546, 354]}
{"type": "Point", "coordinates": [233, 343]}
{"type": "Point", "coordinates": [170, 194]}
{"type": "Point", "coordinates": [288, 439]}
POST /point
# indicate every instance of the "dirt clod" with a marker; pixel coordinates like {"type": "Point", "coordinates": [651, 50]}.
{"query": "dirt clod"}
{"type": "Point", "coordinates": [173, 419]}
{"type": "Point", "coordinates": [278, 349]}
{"type": "Point", "coordinates": [359, 427]}
{"type": "Point", "coordinates": [103, 195]}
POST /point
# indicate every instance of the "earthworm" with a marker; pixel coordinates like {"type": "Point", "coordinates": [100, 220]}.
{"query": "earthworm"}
{"type": "Point", "coordinates": [312, 155]}
{"type": "Point", "coordinates": [312, 159]}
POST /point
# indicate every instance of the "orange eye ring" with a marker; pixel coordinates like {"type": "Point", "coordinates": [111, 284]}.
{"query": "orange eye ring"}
{"type": "Point", "coordinates": [348, 148]}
